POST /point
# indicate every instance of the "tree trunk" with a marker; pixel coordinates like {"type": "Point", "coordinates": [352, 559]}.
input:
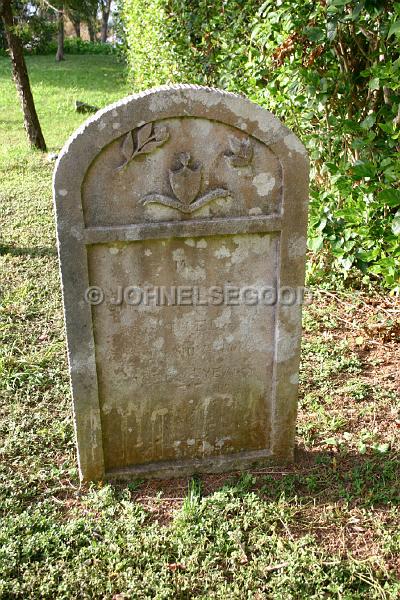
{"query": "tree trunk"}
{"type": "Point", "coordinates": [77, 27]}
{"type": "Point", "coordinates": [60, 35]}
{"type": "Point", "coordinates": [21, 78]}
{"type": "Point", "coordinates": [91, 30]}
{"type": "Point", "coordinates": [105, 14]}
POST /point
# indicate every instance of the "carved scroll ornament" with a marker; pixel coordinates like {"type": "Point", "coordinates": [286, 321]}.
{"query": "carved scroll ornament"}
{"type": "Point", "coordinates": [185, 183]}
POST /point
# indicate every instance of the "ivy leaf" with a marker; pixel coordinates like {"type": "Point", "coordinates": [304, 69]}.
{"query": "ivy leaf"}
{"type": "Point", "coordinates": [396, 223]}
{"type": "Point", "coordinates": [143, 134]}
{"type": "Point", "coordinates": [381, 448]}
{"type": "Point", "coordinates": [346, 263]}
{"type": "Point", "coordinates": [331, 29]}
{"type": "Point", "coordinates": [357, 10]}
{"type": "Point", "coordinates": [394, 28]}
{"type": "Point", "coordinates": [374, 84]}
{"type": "Point", "coordinates": [127, 146]}
{"type": "Point", "coordinates": [362, 448]}
{"type": "Point", "coordinates": [368, 122]}
{"type": "Point", "coordinates": [389, 197]}
{"type": "Point", "coordinates": [387, 128]}
{"type": "Point", "coordinates": [316, 243]}
{"type": "Point", "coordinates": [330, 441]}
{"type": "Point", "coordinates": [314, 34]}
{"type": "Point", "coordinates": [362, 169]}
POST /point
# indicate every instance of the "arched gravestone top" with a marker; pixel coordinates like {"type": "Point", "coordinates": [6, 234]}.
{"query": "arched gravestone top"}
{"type": "Point", "coordinates": [181, 190]}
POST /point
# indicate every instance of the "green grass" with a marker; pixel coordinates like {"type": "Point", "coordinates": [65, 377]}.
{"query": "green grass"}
{"type": "Point", "coordinates": [326, 527]}
{"type": "Point", "coordinates": [96, 80]}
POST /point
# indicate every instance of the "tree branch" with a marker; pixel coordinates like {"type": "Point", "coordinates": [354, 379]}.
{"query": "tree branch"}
{"type": "Point", "coordinates": [47, 3]}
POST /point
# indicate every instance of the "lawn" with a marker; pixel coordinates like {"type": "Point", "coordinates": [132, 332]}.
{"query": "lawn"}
{"type": "Point", "coordinates": [325, 527]}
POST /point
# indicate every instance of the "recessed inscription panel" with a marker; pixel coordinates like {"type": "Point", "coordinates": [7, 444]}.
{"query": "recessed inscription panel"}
{"type": "Point", "coordinates": [181, 168]}
{"type": "Point", "coordinates": [184, 372]}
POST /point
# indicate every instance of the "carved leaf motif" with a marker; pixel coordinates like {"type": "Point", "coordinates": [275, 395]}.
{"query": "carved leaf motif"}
{"type": "Point", "coordinates": [235, 145]}
{"type": "Point", "coordinates": [147, 140]}
{"type": "Point", "coordinates": [127, 146]}
{"type": "Point", "coordinates": [149, 147]}
{"type": "Point", "coordinates": [240, 153]}
{"type": "Point", "coordinates": [143, 134]}
{"type": "Point", "coordinates": [161, 133]}
{"type": "Point", "coordinates": [247, 149]}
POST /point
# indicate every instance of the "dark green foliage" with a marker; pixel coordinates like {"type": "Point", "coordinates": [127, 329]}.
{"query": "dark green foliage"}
{"type": "Point", "coordinates": [37, 34]}
{"type": "Point", "coordinates": [330, 70]}
{"type": "Point", "coordinates": [71, 46]}
{"type": "Point", "coordinates": [78, 46]}
{"type": "Point", "coordinates": [37, 28]}
{"type": "Point", "coordinates": [35, 31]}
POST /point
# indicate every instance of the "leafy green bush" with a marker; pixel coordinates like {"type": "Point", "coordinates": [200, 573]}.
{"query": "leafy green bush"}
{"type": "Point", "coordinates": [329, 69]}
{"type": "Point", "coordinates": [152, 57]}
{"type": "Point", "coordinates": [43, 42]}
{"type": "Point", "coordinates": [37, 34]}
{"type": "Point", "coordinates": [78, 46]}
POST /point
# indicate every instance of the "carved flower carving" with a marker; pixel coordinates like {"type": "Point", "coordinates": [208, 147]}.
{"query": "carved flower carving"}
{"type": "Point", "coordinates": [143, 140]}
{"type": "Point", "coordinates": [240, 153]}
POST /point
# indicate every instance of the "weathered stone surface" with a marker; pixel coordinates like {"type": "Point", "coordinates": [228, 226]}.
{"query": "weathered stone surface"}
{"type": "Point", "coordinates": [168, 203]}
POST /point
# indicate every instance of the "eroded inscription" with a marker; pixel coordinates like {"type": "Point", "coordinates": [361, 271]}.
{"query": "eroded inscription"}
{"type": "Point", "coordinates": [215, 361]}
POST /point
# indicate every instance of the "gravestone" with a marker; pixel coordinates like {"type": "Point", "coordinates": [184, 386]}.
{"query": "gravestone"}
{"type": "Point", "coordinates": [181, 218]}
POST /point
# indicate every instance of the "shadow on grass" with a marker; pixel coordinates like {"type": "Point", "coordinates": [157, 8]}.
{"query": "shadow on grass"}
{"type": "Point", "coordinates": [33, 252]}
{"type": "Point", "coordinates": [329, 477]}
{"type": "Point", "coordinates": [12, 123]}
{"type": "Point", "coordinates": [87, 72]}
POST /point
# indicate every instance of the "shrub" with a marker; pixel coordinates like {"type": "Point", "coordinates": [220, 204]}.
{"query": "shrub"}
{"type": "Point", "coordinates": [78, 46]}
{"type": "Point", "coordinates": [39, 37]}
{"type": "Point", "coordinates": [330, 70]}
{"type": "Point", "coordinates": [152, 56]}
{"type": "Point", "coordinates": [37, 34]}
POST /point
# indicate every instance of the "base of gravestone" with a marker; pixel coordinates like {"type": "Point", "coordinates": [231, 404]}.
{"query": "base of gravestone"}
{"type": "Point", "coordinates": [173, 469]}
